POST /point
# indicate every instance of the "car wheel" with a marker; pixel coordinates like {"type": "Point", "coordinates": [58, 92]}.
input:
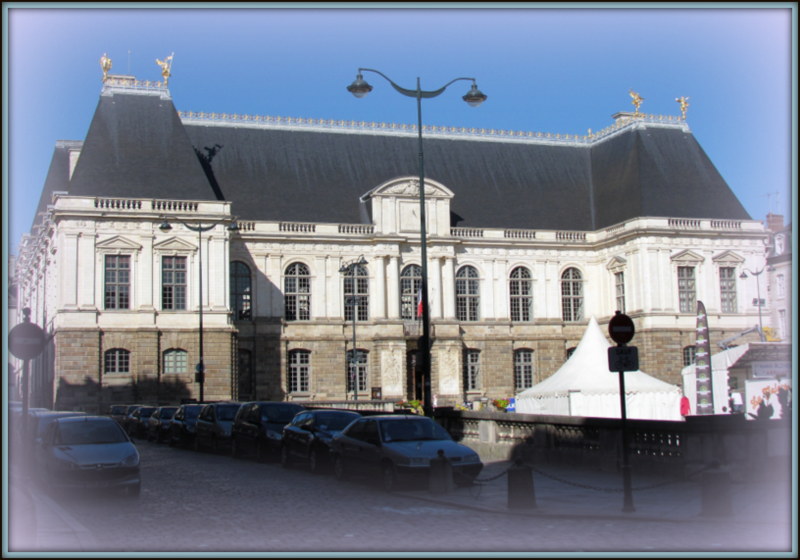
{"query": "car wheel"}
{"type": "Point", "coordinates": [286, 458]}
{"type": "Point", "coordinates": [338, 468]}
{"type": "Point", "coordinates": [389, 477]}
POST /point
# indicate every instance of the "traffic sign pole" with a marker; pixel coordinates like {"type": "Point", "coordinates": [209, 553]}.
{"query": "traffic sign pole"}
{"type": "Point", "coordinates": [621, 330]}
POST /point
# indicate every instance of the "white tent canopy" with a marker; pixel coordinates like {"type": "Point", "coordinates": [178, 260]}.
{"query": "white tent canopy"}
{"type": "Point", "coordinates": [584, 387]}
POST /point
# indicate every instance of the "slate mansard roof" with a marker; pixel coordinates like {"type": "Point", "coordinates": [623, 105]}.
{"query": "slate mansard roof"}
{"type": "Point", "coordinates": [138, 146]}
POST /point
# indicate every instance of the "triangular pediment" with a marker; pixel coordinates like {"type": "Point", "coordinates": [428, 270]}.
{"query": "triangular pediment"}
{"type": "Point", "coordinates": [118, 243]}
{"type": "Point", "coordinates": [408, 187]}
{"type": "Point", "coordinates": [728, 258]}
{"type": "Point", "coordinates": [616, 263]}
{"type": "Point", "coordinates": [687, 256]}
{"type": "Point", "coordinates": [174, 244]}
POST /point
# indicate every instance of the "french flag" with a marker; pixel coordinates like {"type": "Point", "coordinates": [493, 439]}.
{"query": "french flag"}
{"type": "Point", "coordinates": [419, 302]}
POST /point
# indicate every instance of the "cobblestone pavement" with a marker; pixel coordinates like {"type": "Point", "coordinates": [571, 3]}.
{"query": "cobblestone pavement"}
{"type": "Point", "coordinates": [210, 504]}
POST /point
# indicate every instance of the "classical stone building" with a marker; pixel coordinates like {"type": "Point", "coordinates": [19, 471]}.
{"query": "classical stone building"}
{"type": "Point", "coordinates": [528, 236]}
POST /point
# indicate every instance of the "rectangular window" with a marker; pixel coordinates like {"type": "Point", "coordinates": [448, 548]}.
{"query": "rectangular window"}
{"type": "Point", "coordinates": [299, 371]}
{"type": "Point", "coordinates": [780, 286]}
{"type": "Point", "coordinates": [619, 283]}
{"type": "Point", "coordinates": [173, 283]}
{"type": "Point", "coordinates": [523, 369]}
{"type": "Point", "coordinates": [686, 289]}
{"type": "Point", "coordinates": [357, 371]}
{"type": "Point", "coordinates": [727, 289]}
{"type": "Point", "coordinates": [472, 370]}
{"type": "Point", "coordinates": [117, 281]}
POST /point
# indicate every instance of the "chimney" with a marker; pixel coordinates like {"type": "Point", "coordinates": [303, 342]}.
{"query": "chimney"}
{"type": "Point", "coordinates": [774, 222]}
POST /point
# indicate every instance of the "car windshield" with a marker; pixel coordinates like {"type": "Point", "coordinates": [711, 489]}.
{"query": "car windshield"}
{"type": "Point", "coordinates": [166, 413]}
{"type": "Point", "coordinates": [83, 433]}
{"type": "Point", "coordinates": [334, 421]}
{"type": "Point", "coordinates": [191, 413]}
{"type": "Point", "coordinates": [417, 429]}
{"type": "Point", "coordinates": [281, 413]}
{"type": "Point", "coordinates": [225, 413]}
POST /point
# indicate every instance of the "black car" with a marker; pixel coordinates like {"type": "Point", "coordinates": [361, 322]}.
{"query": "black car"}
{"type": "Point", "coordinates": [158, 423]}
{"type": "Point", "coordinates": [118, 412]}
{"type": "Point", "coordinates": [399, 447]}
{"type": "Point", "coordinates": [308, 436]}
{"type": "Point", "coordinates": [258, 428]}
{"type": "Point", "coordinates": [183, 423]}
{"type": "Point", "coordinates": [213, 427]}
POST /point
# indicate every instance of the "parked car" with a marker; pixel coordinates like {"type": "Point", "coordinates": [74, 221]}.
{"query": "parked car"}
{"type": "Point", "coordinates": [118, 411]}
{"type": "Point", "coordinates": [126, 418]}
{"type": "Point", "coordinates": [213, 428]}
{"type": "Point", "coordinates": [258, 428]}
{"type": "Point", "coordinates": [182, 424]}
{"type": "Point", "coordinates": [158, 423]}
{"type": "Point", "coordinates": [395, 447]}
{"type": "Point", "coordinates": [308, 436]}
{"type": "Point", "coordinates": [37, 423]}
{"type": "Point", "coordinates": [88, 452]}
{"type": "Point", "coordinates": [136, 426]}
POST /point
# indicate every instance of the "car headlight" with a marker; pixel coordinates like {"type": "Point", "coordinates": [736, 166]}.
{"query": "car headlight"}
{"type": "Point", "coordinates": [131, 460]}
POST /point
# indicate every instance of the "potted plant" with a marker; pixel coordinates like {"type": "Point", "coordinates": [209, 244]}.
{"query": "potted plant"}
{"type": "Point", "coordinates": [500, 404]}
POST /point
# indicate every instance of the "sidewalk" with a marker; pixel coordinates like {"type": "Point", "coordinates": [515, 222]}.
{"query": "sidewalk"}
{"type": "Point", "coordinates": [583, 492]}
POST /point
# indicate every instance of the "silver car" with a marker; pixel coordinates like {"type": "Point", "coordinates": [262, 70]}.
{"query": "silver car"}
{"type": "Point", "coordinates": [87, 452]}
{"type": "Point", "coordinates": [400, 446]}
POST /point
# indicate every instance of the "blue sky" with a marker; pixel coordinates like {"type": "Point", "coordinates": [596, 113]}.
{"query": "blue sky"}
{"type": "Point", "coordinates": [564, 69]}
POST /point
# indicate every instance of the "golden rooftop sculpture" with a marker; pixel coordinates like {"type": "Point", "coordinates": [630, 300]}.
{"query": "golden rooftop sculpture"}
{"type": "Point", "coordinates": [105, 64]}
{"type": "Point", "coordinates": [684, 102]}
{"type": "Point", "coordinates": [166, 66]}
{"type": "Point", "coordinates": [637, 100]}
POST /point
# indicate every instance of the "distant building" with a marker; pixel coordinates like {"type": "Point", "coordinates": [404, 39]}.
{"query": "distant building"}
{"type": "Point", "coordinates": [529, 236]}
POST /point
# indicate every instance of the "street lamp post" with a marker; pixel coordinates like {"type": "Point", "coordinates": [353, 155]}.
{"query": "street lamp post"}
{"type": "Point", "coordinates": [199, 228]}
{"type": "Point", "coordinates": [757, 273]}
{"type": "Point", "coordinates": [352, 268]}
{"type": "Point", "coordinates": [473, 97]}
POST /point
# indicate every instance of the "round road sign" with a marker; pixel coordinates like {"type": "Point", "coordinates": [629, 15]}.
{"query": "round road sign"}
{"type": "Point", "coordinates": [621, 328]}
{"type": "Point", "coordinates": [26, 341]}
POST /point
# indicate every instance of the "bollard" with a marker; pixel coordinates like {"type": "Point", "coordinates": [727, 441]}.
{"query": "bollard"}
{"type": "Point", "coordinates": [716, 492]}
{"type": "Point", "coordinates": [440, 480]}
{"type": "Point", "coordinates": [520, 486]}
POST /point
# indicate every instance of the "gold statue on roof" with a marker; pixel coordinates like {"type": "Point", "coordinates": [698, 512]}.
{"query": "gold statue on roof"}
{"type": "Point", "coordinates": [684, 102]}
{"type": "Point", "coordinates": [637, 100]}
{"type": "Point", "coordinates": [105, 64]}
{"type": "Point", "coordinates": [166, 66]}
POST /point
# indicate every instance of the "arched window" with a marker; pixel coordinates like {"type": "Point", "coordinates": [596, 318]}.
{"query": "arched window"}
{"type": "Point", "coordinates": [357, 371]}
{"type": "Point", "coordinates": [299, 374]}
{"type": "Point", "coordinates": [175, 361]}
{"type": "Point", "coordinates": [467, 294]}
{"type": "Point", "coordinates": [241, 295]}
{"type": "Point", "coordinates": [521, 292]}
{"type": "Point", "coordinates": [356, 293]}
{"type": "Point", "coordinates": [571, 295]}
{"type": "Point", "coordinates": [410, 289]}
{"type": "Point", "coordinates": [117, 360]}
{"type": "Point", "coordinates": [523, 369]}
{"type": "Point", "coordinates": [297, 292]}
